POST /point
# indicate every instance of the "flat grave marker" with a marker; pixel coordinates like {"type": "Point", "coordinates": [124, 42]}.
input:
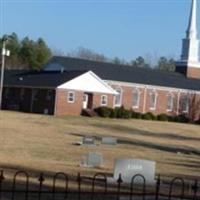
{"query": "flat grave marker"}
{"type": "Point", "coordinates": [109, 141]}
{"type": "Point", "coordinates": [130, 167]}
{"type": "Point", "coordinates": [88, 140]}
{"type": "Point", "coordinates": [93, 160]}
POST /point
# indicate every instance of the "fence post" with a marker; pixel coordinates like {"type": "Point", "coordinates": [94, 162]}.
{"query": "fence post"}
{"type": "Point", "coordinates": [157, 188]}
{"type": "Point", "coordinates": [1, 180]}
{"type": "Point", "coordinates": [119, 182]}
{"type": "Point", "coordinates": [79, 185]}
{"type": "Point", "coordinates": [66, 184]}
{"type": "Point", "coordinates": [195, 189]}
{"type": "Point", "coordinates": [41, 180]}
{"type": "Point", "coordinates": [14, 184]}
{"type": "Point", "coordinates": [132, 184]}
{"type": "Point", "coordinates": [103, 180]}
{"type": "Point", "coordinates": [171, 187]}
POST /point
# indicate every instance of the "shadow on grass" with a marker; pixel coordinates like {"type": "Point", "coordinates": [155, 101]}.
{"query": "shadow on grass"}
{"type": "Point", "coordinates": [134, 131]}
{"type": "Point", "coordinates": [140, 143]}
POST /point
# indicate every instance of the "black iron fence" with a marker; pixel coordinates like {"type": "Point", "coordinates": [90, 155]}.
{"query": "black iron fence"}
{"type": "Point", "coordinates": [61, 186]}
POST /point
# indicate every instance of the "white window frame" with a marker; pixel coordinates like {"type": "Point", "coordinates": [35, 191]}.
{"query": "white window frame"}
{"type": "Point", "coordinates": [73, 97]}
{"type": "Point", "coordinates": [138, 99]}
{"type": "Point", "coordinates": [185, 97]}
{"type": "Point", "coordinates": [106, 100]}
{"type": "Point", "coordinates": [121, 95]}
{"type": "Point", "coordinates": [155, 102]}
{"type": "Point", "coordinates": [170, 95]}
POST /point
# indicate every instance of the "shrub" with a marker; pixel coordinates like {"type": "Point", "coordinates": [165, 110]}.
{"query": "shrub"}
{"type": "Point", "coordinates": [149, 116]}
{"type": "Point", "coordinates": [126, 114]}
{"type": "Point", "coordinates": [120, 112]}
{"type": "Point", "coordinates": [113, 113]}
{"type": "Point", "coordinates": [137, 115]}
{"type": "Point", "coordinates": [171, 119]}
{"type": "Point", "coordinates": [163, 117]}
{"type": "Point", "coordinates": [181, 118]}
{"type": "Point", "coordinates": [103, 111]}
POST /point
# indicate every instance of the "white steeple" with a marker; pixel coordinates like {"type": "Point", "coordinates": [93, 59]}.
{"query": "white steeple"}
{"type": "Point", "coordinates": [192, 26]}
{"type": "Point", "coordinates": [190, 47]}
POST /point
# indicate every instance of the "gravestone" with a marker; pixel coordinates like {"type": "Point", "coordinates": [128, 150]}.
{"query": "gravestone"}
{"type": "Point", "coordinates": [94, 160]}
{"type": "Point", "coordinates": [109, 141]}
{"type": "Point", "coordinates": [130, 167]}
{"type": "Point", "coordinates": [88, 140]}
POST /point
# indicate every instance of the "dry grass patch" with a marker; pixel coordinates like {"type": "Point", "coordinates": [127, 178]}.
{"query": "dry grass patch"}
{"type": "Point", "coordinates": [45, 143]}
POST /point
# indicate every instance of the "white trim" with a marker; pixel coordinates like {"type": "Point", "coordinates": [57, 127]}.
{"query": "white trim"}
{"type": "Point", "coordinates": [102, 81]}
{"type": "Point", "coordinates": [121, 97]}
{"type": "Point", "coordinates": [187, 98]}
{"type": "Point", "coordinates": [138, 99]}
{"type": "Point", "coordinates": [106, 100]}
{"type": "Point", "coordinates": [68, 96]}
{"type": "Point", "coordinates": [155, 102]}
{"type": "Point", "coordinates": [162, 88]}
{"type": "Point", "coordinates": [88, 82]}
{"type": "Point", "coordinates": [171, 95]}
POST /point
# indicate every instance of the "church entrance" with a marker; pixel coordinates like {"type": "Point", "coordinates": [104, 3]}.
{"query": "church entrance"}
{"type": "Point", "coordinates": [87, 101]}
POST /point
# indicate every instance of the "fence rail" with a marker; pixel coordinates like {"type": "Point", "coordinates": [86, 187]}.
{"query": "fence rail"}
{"type": "Point", "coordinates": [61, 186]}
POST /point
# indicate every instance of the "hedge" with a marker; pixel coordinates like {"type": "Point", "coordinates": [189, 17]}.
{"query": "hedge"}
{"type": "Point", "coordinates": [122, 113]}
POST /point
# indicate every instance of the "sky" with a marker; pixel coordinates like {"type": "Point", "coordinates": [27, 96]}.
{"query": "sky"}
{"type": "Point", "coordinates": [122, 28]}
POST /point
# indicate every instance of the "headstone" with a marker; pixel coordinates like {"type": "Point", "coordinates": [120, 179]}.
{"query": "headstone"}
{"type": "Point", "coordinates": [94, 160]}
{"type": "Point", "coordinates": [130, 167]}
{"type": "Point", "coordinates": [88, 140]}
{"type": "Point", "coordinates": [109, 141]}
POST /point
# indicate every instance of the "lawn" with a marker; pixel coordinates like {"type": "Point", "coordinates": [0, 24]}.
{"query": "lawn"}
{"type": "Point", "coordinates": [46, 143]}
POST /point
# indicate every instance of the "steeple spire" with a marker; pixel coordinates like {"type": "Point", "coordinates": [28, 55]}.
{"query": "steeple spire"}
{"type": "Point", "coordinates": [190, 48]}
{"type": "Point", "coordinates": [189, 64]}
{"type": "Point", "coordinates": [192, 26]}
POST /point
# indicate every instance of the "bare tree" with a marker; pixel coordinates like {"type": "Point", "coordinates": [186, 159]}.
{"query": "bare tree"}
{"type": "Point", "coordinates": [88, 54]}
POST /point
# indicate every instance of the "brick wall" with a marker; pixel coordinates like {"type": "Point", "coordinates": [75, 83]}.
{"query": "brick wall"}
{"type": "Point", "coordinates": [161, 102]}
{"type": "Point", "coordinates": [14, 101]}
{"type": "Point", "coordinates": [63, 107]}
{"type": "Point", "coordinates": [193, 72]}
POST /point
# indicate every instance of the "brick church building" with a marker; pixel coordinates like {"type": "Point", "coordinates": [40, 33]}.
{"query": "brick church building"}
{"type": "Point", "coordinates": [66, 86]}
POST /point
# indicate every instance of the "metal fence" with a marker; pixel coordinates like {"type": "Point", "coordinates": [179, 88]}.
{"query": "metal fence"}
{"type": "Point", "coordinates": [61, 186]}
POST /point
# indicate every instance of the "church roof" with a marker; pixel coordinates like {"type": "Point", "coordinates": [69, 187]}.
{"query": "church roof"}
{"type": "Point", "coordinates": [125, 73]}
{"type": "Point", "coordinates": [42, 79]}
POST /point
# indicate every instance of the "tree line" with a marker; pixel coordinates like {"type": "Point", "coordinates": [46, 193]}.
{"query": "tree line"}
{"type": "Point", "coordinates": [26, 53]}
{"type": "Point", "coordinates": [30, 54]}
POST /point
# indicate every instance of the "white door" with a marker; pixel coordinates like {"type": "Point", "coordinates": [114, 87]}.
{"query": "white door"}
{"type": "Point", "coordinates": [85, 101]}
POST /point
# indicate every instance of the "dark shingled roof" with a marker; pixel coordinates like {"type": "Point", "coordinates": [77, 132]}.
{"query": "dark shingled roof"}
{"type": "Point", "coordinates": [124, 73]}
{"type": "Point", "coordinates": [42, 79]}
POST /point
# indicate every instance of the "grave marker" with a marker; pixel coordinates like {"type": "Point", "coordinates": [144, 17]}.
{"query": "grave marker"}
{"type": "Point", "coordinates": [93, 160]}
{"type": "Point", "coordinates": [109, 141]}
{"type": "Point", "coordinates": [130, 167]}
{"type": "Point", "coordinates": [88, 140]}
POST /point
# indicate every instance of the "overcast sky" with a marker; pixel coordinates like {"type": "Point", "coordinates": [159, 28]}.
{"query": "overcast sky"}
{"type": "Point", "coordinates": [123, 28]}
